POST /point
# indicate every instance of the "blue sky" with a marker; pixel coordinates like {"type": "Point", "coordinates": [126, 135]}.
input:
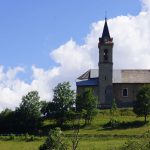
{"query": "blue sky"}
{"type": "Point", "coordinates": [46, 42]}
{"type": "Point", "coordinates": [30, 29]}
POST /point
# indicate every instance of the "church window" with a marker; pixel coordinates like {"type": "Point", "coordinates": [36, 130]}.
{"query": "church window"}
{"type": "Point", "coordinates": [105, 55]}
{"type": "Point", "coordinates": [125, 92]}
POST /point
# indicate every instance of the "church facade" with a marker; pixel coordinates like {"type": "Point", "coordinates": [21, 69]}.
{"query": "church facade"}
{"type": "Point", "coordinates": [108, 83]}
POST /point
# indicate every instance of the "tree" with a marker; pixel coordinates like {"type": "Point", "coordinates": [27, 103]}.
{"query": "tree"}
{"type": "Point", "coordinates": [28, 113]}
{"type": "Point", "coordinates": [75, 136]}
{"type": "Point", "coordinates": [63, 101]}
{"type": "Point", "coordinates": [113, 113]}
{"type": "Point", "coordinates": [54, 141]}
{"type": "Point", "coordinates": [7, 121]}
{"type": "Point", "coordinates": [87, 104]}
{"type": "Point", "coordinates": [142, 104]}
{"type": "Point", "coordinates": [44, 107]}
{"type": "Point", "coordinates": [57, 141]}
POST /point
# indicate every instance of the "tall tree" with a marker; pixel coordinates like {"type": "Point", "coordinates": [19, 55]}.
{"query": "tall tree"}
{"type": "Point", "coordinates": [63, 101]}
{"type": "Point", "coordinates": [44, 107]}
{"type": "Point", "coordinates": [7, 121]}
{"type": "Point", "coordinates": [29, 112]}
{"type": "Point", "coordinates": [142, 104]}
{"type": "Point", "coordinates": [87, 104]}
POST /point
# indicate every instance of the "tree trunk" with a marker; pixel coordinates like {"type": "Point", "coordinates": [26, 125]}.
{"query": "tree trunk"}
{"type": "Point", "coordinates": [145, 118]}
{"type": "Point", "coordinates": [85, 122]}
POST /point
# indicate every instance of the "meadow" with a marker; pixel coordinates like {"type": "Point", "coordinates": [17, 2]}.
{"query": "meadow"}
{"type": "Point", "coordinates": [85, 144]}
{"type": "Point", "coordinates": [96, 136]}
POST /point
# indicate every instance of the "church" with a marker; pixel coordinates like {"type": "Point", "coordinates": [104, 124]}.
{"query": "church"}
{"type": "Point", "coordinates": [109, 84]}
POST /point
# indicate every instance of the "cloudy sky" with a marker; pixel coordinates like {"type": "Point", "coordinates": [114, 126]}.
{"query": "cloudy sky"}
{"type": "Point", "coordinates": [46, 42]}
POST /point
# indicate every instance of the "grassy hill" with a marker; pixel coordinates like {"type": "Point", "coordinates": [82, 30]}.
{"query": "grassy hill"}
{"type": "Point", "coordinates": [97, 136]}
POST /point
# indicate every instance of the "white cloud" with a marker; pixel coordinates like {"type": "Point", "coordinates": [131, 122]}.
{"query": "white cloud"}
{"type": "Point", "coordinates": [146, 5]}
{"type": "Point", "coordinates": [12, 88]}
{"type": "Point", "coordinates": [131, 50]}
{"type": "Point", "coordinates": [72, 58]}
{"type": "Point", "coordinates": [43, 81]}
{"type": "Point", "coordinates": [11, 73]}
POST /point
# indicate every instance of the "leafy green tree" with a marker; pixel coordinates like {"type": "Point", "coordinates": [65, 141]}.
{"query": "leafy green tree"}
{"type": "Point", "coordinates": [86, 103]}
{"type": "Point", "coordinates": [54, 141]}
{"type": "Point", "coordinates": [44, 107]}
{"type": "Point", "coordinates": [7, 121]}
{"type": "Point", "coordinates": [50, 110]}
{"type": "Point", "coordinates": [63, 101]}
{"type": "Point", "coordinates": [28, 114]}
{"type": "Point", "coordinates": [142, 104]}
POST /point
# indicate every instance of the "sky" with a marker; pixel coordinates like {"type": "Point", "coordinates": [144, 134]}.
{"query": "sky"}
{"type": "Point", "coordinates": [46, 42]}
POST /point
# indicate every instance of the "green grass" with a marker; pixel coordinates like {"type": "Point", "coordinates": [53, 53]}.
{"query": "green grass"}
{"type": "Point", "coordinates": [97, 126]}
{"type": "Point", "coordinates": [99, 144]}
{"type": "Point", "coordinates": [19, 145]}
{"type": "Point", "coordinates": [94, 136]}
{"type": "Point", "coordinates": [84, 144]}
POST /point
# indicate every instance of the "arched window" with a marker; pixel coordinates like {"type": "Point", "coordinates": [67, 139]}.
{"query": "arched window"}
{"type": "Point", "coordinates": [105, 55]}
{"type": "Point", "coordinates": [125, 92]}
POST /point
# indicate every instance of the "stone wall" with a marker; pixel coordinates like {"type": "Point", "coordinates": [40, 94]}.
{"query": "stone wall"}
{"type": "Point", "coordinates": [125, 101]}
{"type": "Point", "coordinates": [81, 89]}
{"type": "Point", "coordinates": [122, 101]}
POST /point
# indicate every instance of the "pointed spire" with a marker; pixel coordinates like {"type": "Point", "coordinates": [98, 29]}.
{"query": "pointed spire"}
{"type": "Point", "coordinates": [105, 33]}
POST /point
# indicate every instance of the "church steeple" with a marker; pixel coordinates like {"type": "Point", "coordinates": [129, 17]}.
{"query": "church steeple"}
{"type": "Point", "coordinates": [105, 34]}
{"type": "Point", "coordinates": [105, 46]}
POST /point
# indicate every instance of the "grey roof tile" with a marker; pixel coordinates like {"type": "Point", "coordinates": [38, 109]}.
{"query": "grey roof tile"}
{"type": "Point", "coordinates": [121, 76]}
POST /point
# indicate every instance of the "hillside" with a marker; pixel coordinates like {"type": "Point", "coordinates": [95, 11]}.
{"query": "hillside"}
{"type": "Point", "coordinates": [97, 136]}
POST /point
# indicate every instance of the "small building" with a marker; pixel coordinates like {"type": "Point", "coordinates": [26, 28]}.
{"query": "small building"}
{"type": "Point", "coordinates": [108, 83]}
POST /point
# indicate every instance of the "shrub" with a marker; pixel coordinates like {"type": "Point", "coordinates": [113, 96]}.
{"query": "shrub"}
{"type": "Point", "coordinates": [11, 137]}
{"type": "Point", "coordinates": [131, 145]}
{"type": "Point", "coordinates": [32, 138]}
{"type": "Point", "coordinates": [27, 137]}
{"type": "Point", "coordinates": [136, 144]}
{"type": "Point", "coordinates": [54, 141]}
{"type": "Point", "coordinates": [126, 112]}
{"type": "Point", "coordinates": [146, 134]}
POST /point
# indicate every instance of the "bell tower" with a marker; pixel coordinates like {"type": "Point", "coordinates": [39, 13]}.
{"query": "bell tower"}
{"type": "Point", "coordinates": [105, 46]}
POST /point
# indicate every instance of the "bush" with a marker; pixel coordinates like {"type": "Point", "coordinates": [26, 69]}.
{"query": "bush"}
{"type": "Point", "coordinates": [131, 145]}
{"type": "Point", "coordinates": [32, 138]}
{"type": "Point", "coordinates": [54, 141]}
{"type": "Point", "coordinates": [11, 137]}
{"type": "Point", "coordinates": [146, 134]}
{"type": "Point", "coordinates": [136, 144]}
{"type": "Point", "coordinates": [114, 123]}
{"type": "Point", "coordinates": [126, 112]}
{"type": "Point", "coordinates": [27, 137]}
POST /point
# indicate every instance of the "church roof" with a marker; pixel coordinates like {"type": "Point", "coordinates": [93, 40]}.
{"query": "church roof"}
{"type": "Point", "coordinates": [119, 76]}
{"type": "Point", "coordinates": [131, 76]}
